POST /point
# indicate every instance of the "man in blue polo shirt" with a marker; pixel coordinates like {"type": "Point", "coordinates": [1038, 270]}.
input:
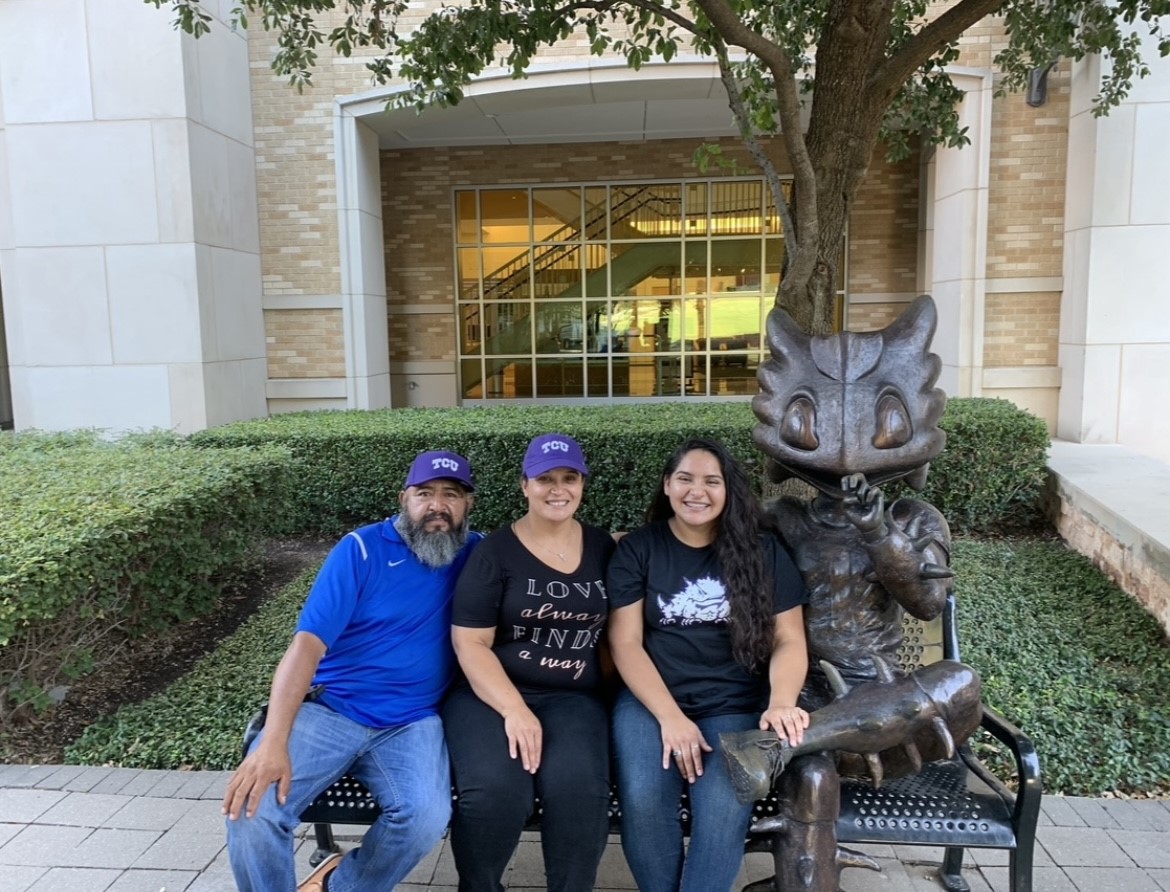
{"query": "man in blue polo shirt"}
{"type": "Point", "coordinates": [374, 644]}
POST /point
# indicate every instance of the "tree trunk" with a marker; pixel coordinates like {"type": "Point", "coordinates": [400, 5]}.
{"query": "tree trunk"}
{"type": "Point", "coordinates": [843, 131]}
{"type": "Point", "coordinates": [812, 303]}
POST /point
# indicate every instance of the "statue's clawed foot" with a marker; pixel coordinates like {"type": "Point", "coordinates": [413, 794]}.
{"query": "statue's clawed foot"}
{"type": "Point", "coordinates": [754, 759]}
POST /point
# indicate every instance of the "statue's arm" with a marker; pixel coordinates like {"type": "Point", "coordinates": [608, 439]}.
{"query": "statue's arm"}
{"type": "Point", "coordinates": [909, 544]}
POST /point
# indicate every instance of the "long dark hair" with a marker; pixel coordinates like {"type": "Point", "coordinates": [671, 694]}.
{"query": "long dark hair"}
{"type": "Point", "coordinates": [737, 545]}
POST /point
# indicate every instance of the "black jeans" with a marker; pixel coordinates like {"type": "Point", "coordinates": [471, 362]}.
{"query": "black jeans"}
{"type": "Point", "coordinates": [496, 794]}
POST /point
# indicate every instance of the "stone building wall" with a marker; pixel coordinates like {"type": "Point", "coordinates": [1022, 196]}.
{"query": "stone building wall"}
{"type": "Point", "coordinates": [1132, 556]}
{"type": "Point", "coordinates": [300, 241]}
{"type": "Point", "coordinates": [305, 344]}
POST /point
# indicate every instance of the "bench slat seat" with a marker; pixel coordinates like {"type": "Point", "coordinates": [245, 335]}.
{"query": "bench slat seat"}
{"type": "Point", "coordinates": [944, 804]}
{"type": "Point", "coordinates": [956, 804]}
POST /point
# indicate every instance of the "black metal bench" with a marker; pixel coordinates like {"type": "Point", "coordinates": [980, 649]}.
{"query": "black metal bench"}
{"type": "Point", "coordinates": [957, 804]}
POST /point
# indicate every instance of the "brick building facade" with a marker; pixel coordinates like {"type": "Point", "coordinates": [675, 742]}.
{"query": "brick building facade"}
{"type": "Point", "coordinates": [227, 247]}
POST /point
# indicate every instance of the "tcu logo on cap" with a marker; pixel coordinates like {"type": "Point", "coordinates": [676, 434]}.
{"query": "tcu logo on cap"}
{"type": "Point", "coordinates": [557, 445]}
{"type": "Point", "coordinates": [448, 463]}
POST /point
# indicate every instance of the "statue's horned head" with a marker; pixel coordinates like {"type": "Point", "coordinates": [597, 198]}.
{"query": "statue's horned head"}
{"type": "Point", "coordinates": [852, 403]}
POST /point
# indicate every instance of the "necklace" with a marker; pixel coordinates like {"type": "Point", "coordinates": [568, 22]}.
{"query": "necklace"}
{"type": "Point", "coordinates": [562, 555]}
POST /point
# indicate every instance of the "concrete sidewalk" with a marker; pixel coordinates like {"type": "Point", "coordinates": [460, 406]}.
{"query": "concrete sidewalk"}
{"type": "Point", "coordinates": [73, 829]}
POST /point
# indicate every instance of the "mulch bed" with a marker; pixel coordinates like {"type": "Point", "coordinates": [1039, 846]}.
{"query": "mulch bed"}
{"type": "Point", "coordinates": [147, 666]}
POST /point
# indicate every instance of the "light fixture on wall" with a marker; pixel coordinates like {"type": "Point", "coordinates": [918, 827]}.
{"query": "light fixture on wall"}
{"type": "Point", "coordinates": [1037, 93]}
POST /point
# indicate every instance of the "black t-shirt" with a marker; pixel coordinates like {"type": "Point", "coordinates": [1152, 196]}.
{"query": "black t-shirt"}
{"type": "Point", "coordinates": [685, 609]}
{"type": "Point", "coordinates": [547, 622]}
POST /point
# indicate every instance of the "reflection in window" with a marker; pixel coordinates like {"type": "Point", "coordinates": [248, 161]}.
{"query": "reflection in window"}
{"type": "Point", "coordinates": [618, 290]}
{"type": "Point", "coordinates": [735, 265]}
{"type": "Point", "coordinates": [695, 212]}
{"type": "Point", "coordinates": [559, 327]}
{"type": "Point", "coordinates": [695, 267]}
{"type": "Point", "coordinates": [652, 210]}
{"type": "Point", "coordinates": [556, 272]}
{"type": "Point", "coordinates": [466, 218]}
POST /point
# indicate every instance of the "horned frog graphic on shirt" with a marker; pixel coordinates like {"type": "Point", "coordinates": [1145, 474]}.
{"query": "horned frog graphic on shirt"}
{"type": "Point", "coordinates": [702, 601]}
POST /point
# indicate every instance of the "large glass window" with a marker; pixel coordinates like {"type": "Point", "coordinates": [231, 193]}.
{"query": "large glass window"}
{"type": "Point", "coordinates": [597, 290]}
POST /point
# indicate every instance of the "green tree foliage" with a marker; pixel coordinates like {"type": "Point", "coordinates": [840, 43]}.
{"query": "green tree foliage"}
{"type": "Point", "coordinates": [878, 68]}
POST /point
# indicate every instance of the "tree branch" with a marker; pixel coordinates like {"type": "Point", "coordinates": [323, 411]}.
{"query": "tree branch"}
{"type": "Point", "coordinates": [655, 7]}
{"type": "Point", "coordinates": [898, 68]}
{"type": "Point", "coordinates": [734, 32]}
{"type": "Point", "coordinates": [755, 149]}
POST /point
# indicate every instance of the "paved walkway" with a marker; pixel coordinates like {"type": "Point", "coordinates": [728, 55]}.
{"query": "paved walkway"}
{"type": "Point", "coordinates": [74, 829]}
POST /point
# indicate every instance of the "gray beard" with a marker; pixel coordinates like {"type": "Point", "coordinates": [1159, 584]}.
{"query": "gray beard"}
{"type": "Point", "coordinates": [434, 549]}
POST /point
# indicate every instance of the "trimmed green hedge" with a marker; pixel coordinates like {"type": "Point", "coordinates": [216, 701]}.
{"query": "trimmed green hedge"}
{"type": "Point", "coordinates": [1076, 663]}
{"type": "Point", "coordinates": [100, 540]}
{"type": "Point", "coordinates": [1063, 653]}
{"type": "Point", "coordinates": [991, 474]}
{"type": "Point", "coordinates": [348, 465]}
{"type": "Point", "coordinates": [109, 539]}
{"type": "Point", "coordinates": [198, 722]}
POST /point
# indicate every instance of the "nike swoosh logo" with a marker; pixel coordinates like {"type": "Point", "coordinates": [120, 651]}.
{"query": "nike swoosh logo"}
{"type": "Point", "coordinates": [396, 563]}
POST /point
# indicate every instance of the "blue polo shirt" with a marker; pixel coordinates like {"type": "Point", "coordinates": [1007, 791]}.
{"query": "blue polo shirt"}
{"type": "Point", "coordinates": [385, 619]}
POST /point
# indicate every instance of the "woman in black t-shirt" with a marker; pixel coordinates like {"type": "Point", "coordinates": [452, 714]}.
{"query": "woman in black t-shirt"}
{"type": "Point", "coordinates": [530, 609]}
{"type": "Point", "coordinates": [707, 632]}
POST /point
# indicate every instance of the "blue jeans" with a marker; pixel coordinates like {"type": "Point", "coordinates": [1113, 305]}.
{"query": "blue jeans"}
{"type": "Point", "coordinates": [652, 834]}
{"type": "Point", "coordinates": [405, 769]}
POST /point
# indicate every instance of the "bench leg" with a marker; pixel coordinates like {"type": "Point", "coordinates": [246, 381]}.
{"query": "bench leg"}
{"type": "Point", "coordinates": [950, 872]}
{"type": "Point", "coordinates": [1020, 869]}
{"type": "Point", "coordinates": [326, 845]}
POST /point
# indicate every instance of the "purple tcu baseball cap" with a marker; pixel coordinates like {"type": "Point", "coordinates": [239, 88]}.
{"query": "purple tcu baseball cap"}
{"type": "Point", "coordinates": [440, 465]}
{"type": "Point", "coordinates": [550, 451]}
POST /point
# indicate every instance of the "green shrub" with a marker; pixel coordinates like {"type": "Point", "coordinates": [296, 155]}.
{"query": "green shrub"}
{"type": "Point", "coordinates": [100, 540]}
{"type": "Point", "coordinates": [1072, 660]}
{"type": "Point", "coordinates": [198, 722]}
{"type": "Point", "coordinates": [990, 476]}
{"type": "Point", "coordinates": [348, 465]}
{"type": "Point", "coordinates": [46, 441]}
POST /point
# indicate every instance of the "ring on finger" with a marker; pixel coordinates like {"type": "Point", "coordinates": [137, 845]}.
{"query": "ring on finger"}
{"type": "Point", "coordinates": [676, 753]}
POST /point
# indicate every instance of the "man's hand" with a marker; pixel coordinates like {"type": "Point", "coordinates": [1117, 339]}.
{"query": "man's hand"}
{"type": "Point", "coordinates": [262, 768]}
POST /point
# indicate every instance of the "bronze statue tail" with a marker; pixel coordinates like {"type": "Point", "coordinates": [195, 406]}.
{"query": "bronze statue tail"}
{"type": "Point", "coordinates": [925, 716]}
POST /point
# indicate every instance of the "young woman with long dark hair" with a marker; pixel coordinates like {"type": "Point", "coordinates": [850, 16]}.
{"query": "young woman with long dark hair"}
{"type": "Point", "coordinates": [707, 632]}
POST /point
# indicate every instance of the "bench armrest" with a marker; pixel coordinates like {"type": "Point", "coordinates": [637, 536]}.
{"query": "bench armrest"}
{"type": "Point", "coordinates": [255, 725]}
{"type": "Point", "coordinates": [1026, 809]}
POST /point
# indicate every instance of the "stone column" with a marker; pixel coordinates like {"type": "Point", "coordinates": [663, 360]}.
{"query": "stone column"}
{"type": "Point", "coordinates": [129, 247]}
{"type": "Point", "coordinates": [363, 270]}
{"type": "Point", "coordinates": [1114, 323]}
{"type": "Point", "coordinates": [953, 242]}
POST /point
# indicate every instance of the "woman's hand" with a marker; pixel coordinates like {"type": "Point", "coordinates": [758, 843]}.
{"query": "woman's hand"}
{"type": "Point", "coordinates": [525, 737]}
{"type": "Point", "coordinates": [786, 671]}
{"type": "Point", "coordinates": [788, 722]}
{"type": "Point", "coordinates": [491, 684]}
{"type": "Point", "coordinates": [683, 743]}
